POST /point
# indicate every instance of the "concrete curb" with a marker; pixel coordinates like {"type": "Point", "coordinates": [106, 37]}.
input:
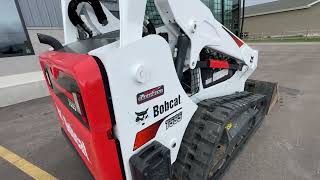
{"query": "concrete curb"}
{"type": "Point", "coordinates": [22, 87]}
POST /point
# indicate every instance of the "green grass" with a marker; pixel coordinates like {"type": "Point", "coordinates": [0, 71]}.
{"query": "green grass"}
{"type": "Point", "coordinates": [291, 39]}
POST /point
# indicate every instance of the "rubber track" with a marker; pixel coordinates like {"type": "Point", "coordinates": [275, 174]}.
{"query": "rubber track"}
{"type": "Point", "coordinates": [204, 132]}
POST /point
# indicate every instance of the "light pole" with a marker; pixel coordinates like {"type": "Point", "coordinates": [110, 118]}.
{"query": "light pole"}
{"type": "Point", "coordinates": [242, 21]}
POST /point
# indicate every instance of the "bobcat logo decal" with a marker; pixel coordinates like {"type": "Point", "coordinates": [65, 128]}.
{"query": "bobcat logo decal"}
{"type": "Point", "coordinates": [141, 116]}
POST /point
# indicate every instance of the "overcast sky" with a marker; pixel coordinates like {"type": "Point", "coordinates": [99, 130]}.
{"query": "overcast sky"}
{"type": "Point", "coordinates": [254, 2]}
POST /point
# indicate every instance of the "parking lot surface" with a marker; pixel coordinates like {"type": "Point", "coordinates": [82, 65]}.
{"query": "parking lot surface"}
{"type": "Point", "coordinates": [286, 146]}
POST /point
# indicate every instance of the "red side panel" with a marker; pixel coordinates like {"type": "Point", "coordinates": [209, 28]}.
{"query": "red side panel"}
{"type": "Point", "coordinates": [218, 64]}
{"type": "Point", "coordinates": [95, 146]}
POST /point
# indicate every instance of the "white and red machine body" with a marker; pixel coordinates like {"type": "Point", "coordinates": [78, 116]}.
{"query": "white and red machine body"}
{"type": "Point", "coordinates": [118, 91]}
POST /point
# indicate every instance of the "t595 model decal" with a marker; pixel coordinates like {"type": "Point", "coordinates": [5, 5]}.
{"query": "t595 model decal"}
{"type": "Point", "coordinates": [174, 120]}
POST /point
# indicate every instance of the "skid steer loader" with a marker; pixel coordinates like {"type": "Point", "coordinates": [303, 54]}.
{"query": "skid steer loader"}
{"type": "Point", "coordinates": [143, 102]}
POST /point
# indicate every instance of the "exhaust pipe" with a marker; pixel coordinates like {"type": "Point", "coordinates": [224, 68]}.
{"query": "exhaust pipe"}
{"type": "Point", "coordinates": [51, 41]}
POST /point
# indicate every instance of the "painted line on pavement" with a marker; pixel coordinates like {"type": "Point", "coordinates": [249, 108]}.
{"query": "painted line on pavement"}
{"type": "Point", "coordinates": [25, 166]}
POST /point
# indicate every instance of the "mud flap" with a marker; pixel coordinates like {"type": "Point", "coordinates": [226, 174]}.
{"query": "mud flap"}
{"type": "Point", "coordinates": [269, 89]}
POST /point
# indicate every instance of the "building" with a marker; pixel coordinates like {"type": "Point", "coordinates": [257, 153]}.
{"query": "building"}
{"type": "Point", "coordinates": [20, 75]}
{"type": "Point", "coordinates": [225, 11]}
{"type": "Point", "coordinates": [283, 17]}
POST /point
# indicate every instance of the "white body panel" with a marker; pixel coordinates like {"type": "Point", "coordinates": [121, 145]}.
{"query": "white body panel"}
{"type": "Point", "coordinates": [122, 65]}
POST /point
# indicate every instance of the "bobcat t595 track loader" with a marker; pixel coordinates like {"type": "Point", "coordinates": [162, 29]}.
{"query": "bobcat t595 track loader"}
{"type": "Point", "coordinates": [143, 102]}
